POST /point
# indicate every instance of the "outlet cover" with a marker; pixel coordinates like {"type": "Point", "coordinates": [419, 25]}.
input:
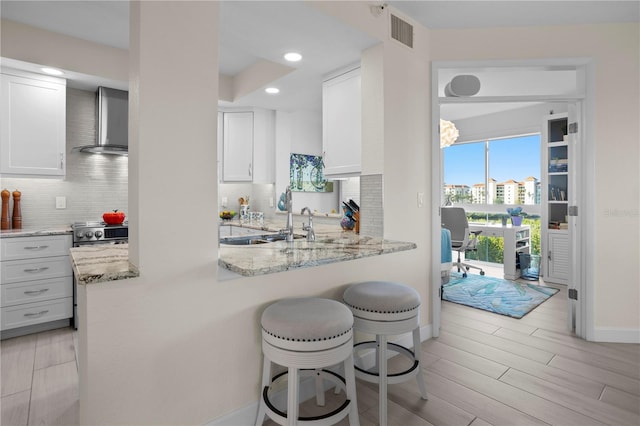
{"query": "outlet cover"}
{"type": "Point", "coordinates": [61, 202]}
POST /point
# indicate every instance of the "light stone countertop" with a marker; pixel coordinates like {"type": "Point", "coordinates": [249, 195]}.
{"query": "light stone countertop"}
{"type": "Point", "coordinates": [331, 246]}
{"type": "Point", "coordinates": [104, 262]}
{"type": "Point", "coordinates": [101, 263]}
{"type": "Point", "coordinates": [34, 232]}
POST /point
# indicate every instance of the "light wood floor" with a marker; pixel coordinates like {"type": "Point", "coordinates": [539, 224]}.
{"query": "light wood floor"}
{"type": "Point", "coordinates": [488, 369]}
{"type": "Point", "coordinates": [40, 379]}
{"type": "Point", "coordinates": [483, 369]}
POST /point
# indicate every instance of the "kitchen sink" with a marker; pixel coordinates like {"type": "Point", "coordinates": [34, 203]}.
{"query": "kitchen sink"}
{"type": "Point", "coordinates": [255, 239]}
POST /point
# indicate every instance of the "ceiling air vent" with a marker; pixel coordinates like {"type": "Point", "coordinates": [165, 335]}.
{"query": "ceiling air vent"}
{"type": "Point", "coordinates": [401, 31]}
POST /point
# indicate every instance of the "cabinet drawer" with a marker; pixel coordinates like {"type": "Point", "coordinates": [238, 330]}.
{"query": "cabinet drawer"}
{"type": "Point", "coordinates": [36, 313]}
{"type": "Point", "coordinates": [33, 247]}
{"type": "Point", "coordinates": [35, 269]}
{"type": "Point", "coordinates": [36, 291]}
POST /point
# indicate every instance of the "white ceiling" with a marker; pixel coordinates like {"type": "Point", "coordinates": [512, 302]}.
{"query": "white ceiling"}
{"type": "Point", "coordinates": [255, 30]}
{"type": "Point", "coordinates": [517, 13]}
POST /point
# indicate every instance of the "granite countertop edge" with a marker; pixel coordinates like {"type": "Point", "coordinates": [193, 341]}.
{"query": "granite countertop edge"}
{"type": "Point", "coordinates": [250, 261]}
{"type": "Point", "coordinates": [102, 263]}
{"type": "Point", "coordinates": [34, 232]}
{"type": "Point", "coordinates": [106, 262]}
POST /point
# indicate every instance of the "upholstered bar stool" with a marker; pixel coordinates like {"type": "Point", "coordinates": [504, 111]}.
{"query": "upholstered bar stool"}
{"type": "Point", "coordinates": [385, 309]}
{"type": "Point", "coordinates": [307, 335]}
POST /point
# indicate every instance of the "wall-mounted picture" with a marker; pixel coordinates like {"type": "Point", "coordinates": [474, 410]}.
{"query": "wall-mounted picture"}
{"type": "Point", "coordinates": [306, 174]}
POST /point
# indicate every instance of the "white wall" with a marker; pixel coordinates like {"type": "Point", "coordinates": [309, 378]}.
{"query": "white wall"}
{"type": "Point", "coordinates": [615, 176]}
{"type": "Point", "coordinates": [29, 44]}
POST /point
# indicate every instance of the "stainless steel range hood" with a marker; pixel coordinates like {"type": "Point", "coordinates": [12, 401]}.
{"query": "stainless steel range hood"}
{"type": "Point", "coordinates": [112, 123]}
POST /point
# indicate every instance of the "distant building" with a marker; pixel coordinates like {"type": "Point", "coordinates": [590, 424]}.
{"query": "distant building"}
{"type": "Point", "coordinates": [530, 191]}
{"type": "Point", "coordinates": [478, 193]}
{"type": "Point", "coordinates": [508, 192]}
{"type": "Point", "coordinates": [511, 191]}
{"type": "Point", "coordinates": [457, 193]}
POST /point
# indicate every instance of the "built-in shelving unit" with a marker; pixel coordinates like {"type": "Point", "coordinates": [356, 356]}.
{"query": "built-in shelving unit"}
{"type": "Point", "coordinates": [556, 158]}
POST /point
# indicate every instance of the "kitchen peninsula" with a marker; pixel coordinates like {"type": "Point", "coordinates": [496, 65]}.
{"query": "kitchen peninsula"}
{"type": "Point", "coordinates": [332, 245]}
{"type": "Point", "coordinates": [109, 263]}
{"type": "Point", "coordinates": [282, 256]}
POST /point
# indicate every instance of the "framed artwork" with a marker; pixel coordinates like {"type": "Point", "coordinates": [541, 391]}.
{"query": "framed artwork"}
{"type": "Point", "coordinates": [306, 174]}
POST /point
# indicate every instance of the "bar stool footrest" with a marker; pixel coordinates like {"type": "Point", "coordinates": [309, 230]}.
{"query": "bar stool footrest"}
{"type": "Point", "coordinates": [392, 378]}
{"type": "Point", "coordinates": [330, 418]}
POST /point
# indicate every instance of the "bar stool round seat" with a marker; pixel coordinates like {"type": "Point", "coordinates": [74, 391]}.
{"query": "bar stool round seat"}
{"type": "Point", "coordinates": [307, 335]}
{"type": "Point", "coordinates": [384, 309]}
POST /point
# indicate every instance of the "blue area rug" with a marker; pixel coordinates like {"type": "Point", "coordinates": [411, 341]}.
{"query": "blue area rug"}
{"type": "Point", "coordinates": [503, 297]}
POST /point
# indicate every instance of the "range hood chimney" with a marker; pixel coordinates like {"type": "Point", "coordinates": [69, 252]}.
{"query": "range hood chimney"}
{"type": "Point", "coordinates": [112, 123]}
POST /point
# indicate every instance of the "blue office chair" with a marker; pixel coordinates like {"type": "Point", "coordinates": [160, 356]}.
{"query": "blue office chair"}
{"type": "Point", "coordinates": [462, 240]}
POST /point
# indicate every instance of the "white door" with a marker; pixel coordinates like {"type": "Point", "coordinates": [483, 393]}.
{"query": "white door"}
{"type": "Point", "coordinates": [576, 287]}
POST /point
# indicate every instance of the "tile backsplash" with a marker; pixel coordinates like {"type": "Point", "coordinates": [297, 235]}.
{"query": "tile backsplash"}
{"type": "Point", "coordinates": [93, 183]}
{"type": "Point", "coordinates": [371, 205]}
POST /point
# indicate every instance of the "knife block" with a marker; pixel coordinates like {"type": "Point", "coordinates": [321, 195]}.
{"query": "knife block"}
{"type": "Point", "coordinates": [356, 217]}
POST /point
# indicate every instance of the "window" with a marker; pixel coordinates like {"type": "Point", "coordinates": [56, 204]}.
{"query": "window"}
{"type": "Point", "coordinates": [499, 171]}
{"type": "Point", "coordinates": [487, 177]}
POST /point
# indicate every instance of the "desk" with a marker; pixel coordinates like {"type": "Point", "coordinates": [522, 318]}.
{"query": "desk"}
{"type": "Point", "coordinates": [517, 239]}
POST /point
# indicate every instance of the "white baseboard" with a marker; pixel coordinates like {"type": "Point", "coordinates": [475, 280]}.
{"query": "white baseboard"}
{"type": "Point", "coordinates": [616, 335]}
{"type": "Point", "coordinates": [246, 416]}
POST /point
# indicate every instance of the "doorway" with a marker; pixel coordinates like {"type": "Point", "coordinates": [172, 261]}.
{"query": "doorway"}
{"type": "Point", "coordinates": [506, 86]}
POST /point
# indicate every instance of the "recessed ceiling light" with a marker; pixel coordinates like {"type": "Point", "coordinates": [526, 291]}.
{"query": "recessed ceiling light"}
{"type": "Point", "coordinates": [51, 71]}
{"type": "Point", "coordinates": [272, 90]}
{"type": "Point", "coordinates": [293, 57]}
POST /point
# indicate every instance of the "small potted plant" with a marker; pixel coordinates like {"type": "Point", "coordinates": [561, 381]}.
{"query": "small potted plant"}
{"type": "Point", "coordinates": [516, 214]}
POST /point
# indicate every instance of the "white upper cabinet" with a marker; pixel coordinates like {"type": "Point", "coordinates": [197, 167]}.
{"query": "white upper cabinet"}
{"type": "Point", "coordinates": [33, 124]}
{"type": "Point", "coordinates": [264, 142]}
{"type": "Point", "coordinates": [238, 147]}
{"type": "Point", "coordinates": [342, 124]}
{"type": "Point", "coordinates": [248, 148]}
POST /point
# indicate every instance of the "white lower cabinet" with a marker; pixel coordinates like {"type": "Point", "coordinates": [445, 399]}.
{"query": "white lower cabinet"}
{"type": "Point", "coordinates": [36, 280]}
{"type": "Point", "coordinates": [557, 261]}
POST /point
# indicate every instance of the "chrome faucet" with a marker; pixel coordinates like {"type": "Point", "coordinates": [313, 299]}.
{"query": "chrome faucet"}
{"type": "Point", "coordinates": [311, 235]}
{"type": "Point", "coordinates": [289, 204]}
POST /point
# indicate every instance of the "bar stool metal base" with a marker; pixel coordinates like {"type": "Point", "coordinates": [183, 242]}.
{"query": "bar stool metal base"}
{"type": "Point", "coordinates": [392, 378]}
{"type": "Point", "coordinates": [329, 418]}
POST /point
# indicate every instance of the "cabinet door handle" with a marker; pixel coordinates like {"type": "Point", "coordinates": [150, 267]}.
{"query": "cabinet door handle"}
{"type": "Point", "coordinates": [61, 161]}
{"type": "Point", "coordinates": [35, 292]}
{"type": "Point", "coordinates": [35, 247]}
{"type": "Point", "coordinates": [35, 314]}
{"type": "Point", "coordinates": [549, 255]}
{"type": "Point", "coordinates": [249, 169]}
{"type": "Point", "coordinates": [35, 270]}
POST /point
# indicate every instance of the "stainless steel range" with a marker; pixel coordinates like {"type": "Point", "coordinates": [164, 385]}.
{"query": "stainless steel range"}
{"type": "Point", "coordinates": [92, 234]}
{"type": "Point", "coordinates": [89, 233]}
